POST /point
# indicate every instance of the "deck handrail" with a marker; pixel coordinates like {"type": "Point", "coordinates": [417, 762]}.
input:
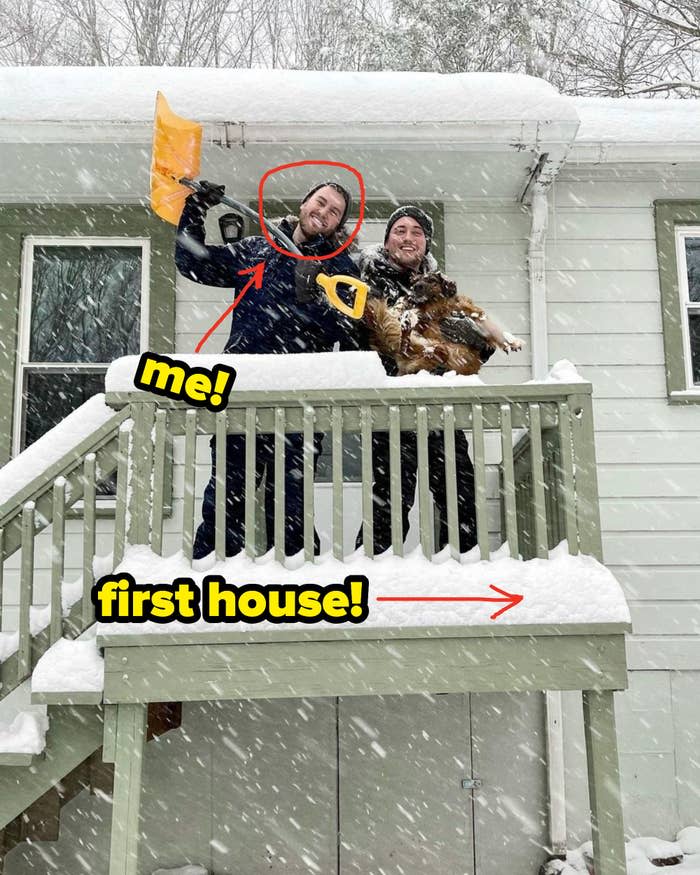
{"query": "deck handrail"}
{"type": "Point", "coordinates": [32, 507]}
{"type": "Point", "coordinates": [135, 439]}
{"type": "Point", "coordinates": [535, 408]}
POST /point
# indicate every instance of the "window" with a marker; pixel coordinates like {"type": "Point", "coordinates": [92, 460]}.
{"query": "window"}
{"type": "Point", "coordinates": [84, 303]}
{"type": "Point", "coordinates": [51, 253]}
{"type": "Point", "coordinates": [678, 249]}
{"type": "Point", "coordinates": [688, 253]}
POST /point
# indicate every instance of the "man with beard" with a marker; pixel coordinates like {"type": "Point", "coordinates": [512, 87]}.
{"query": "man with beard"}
{"type": "Point", "coordinates": [285, 316]}
{"type": "Point", "coordinates": [388, 269]}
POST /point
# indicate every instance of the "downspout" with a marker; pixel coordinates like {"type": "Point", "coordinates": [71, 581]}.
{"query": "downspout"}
{"type": "Point", "coordinates": [535, 195]}
{"type": "Point", "coordinates": [539, 208]}
{"type": "Point", "coordinates": [539, 339]}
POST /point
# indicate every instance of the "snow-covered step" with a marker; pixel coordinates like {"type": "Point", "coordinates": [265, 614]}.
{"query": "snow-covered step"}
{"type": "Point", "coordinates": [71, 672]}
{"type": "Point", "coordinates": [23, 728]}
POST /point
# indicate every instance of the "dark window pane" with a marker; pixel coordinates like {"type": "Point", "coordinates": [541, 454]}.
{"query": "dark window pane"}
{"type": "Point", "coordinates": [86, 303]}
{"type": "Point", "coordinates": [692, 257]}
{"type": "Point", "coordinates": [694, 320]}
{"type": "Point", "coordinates": [51, 397]}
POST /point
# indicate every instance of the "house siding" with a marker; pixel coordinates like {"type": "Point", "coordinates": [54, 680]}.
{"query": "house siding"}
{"type": "Point", "coordinates": [604, 312]}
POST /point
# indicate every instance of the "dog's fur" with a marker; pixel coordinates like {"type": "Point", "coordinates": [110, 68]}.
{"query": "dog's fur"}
{"type": "Point", "coordinates": [410, 331]}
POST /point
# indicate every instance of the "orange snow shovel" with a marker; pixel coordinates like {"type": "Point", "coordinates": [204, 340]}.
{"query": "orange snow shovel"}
{"type": "Point", "coordinates": [177, 147]}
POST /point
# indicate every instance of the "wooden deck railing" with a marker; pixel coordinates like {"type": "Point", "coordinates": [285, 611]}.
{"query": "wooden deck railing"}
{"type": "Point", "coordinates": [537, 438]}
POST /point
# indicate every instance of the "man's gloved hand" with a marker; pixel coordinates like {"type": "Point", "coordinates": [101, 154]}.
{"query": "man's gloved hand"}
{"type": "Point", "coordinates": [307, 289]}
{"type": "Point", "coordinates": [210, 195]}
{"type": "Point", "coordinates": [462, 329]}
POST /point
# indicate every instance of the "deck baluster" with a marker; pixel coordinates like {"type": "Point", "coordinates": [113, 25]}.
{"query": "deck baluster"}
{"type": "Point", "coordinates": [337, 465]}
{"type": "Point", "coordinates": [250, 497]}
{"type": "Point", "coordinates": [280, 498]}
{"type": "Point", "coordinates": [220, 488]}
{"type": "Point", "coordinates": [448, 424]}
{"type": "Point", "coordinates": [58, 547]}
{"type": "Point", "coordinates": [189, 483]}
{"type": "Point", "coordinates": [424, 495]}
{"type": "Point", "coordinates": [536, 460]}
{"type": "Point", "coordinates": [159, 453]}
{"type": "Point", "coordinates": [508, 486]}
{"type": "Point", "coordinates": [25, 591]}
{"type": "Point", "coordinates": [308, 465]}
{"type": "Point", "coordinates": [482, 520]}
{"type": "Point", "coordinates": [120, 510]}
{"type": "Point", "coordinates": [367, 481]}
{"type": "Point", "coordinates": [395, 479]}
{"type": "Point", "coordinates": [89, 500]}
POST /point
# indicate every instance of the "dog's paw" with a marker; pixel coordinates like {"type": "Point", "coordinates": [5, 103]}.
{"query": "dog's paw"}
{"type": "Point", "coordinates": [512, 343]}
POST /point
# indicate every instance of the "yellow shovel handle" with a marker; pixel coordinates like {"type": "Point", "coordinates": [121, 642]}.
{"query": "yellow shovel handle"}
{"type": "Point", "coordinates": [329, 285]}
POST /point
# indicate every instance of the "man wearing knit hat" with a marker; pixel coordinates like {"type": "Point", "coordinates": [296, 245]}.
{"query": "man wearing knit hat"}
{"type": "Point", "coordinates": [388, 269]}
{"type": "Point", "coordinates": [286, 316]}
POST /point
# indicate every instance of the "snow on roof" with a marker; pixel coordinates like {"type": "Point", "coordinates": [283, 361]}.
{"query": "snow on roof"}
{"type": "Point", "coordinates": [620, 120]}
{"type": "Point", "coordinates": [127, 94]}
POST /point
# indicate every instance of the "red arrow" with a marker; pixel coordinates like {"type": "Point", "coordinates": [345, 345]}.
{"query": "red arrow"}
{"type": "Point", "coordinates": [256, 279]}
{"type": "Point", "coordinates": [510, 599]}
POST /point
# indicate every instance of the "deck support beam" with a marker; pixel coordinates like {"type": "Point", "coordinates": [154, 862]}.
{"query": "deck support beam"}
{"type": "Point", "coordinates": [128, 761]}
{"type": "Point", "coordinates": [604, 782]}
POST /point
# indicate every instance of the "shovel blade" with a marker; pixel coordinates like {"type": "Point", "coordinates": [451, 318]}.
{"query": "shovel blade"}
{"type": "Point", "coordinates": [177, 147]}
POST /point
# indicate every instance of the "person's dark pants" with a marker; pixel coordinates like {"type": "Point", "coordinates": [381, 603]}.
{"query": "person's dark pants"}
{"type": "Point", "coordinates": [235, 494]}
{"type": "Point", "coordinates": [381, 490]}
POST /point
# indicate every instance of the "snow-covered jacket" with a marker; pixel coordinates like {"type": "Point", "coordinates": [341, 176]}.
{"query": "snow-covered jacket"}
{"type": "Point", "coordinates": [389, 281]}
{"type": "Point", "coordinates": [269, 320]}
{"type": "Point", "coordinates": [386, 279]}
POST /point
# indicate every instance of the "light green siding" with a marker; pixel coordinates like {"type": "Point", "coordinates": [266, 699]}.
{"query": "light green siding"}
{"type": "Point", "coordinates": [648, 451]}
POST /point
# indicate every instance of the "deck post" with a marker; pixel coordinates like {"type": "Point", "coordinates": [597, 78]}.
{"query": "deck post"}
{"type": "Point", "coordinates": [128, 762]}
{"type": "Point", "coordinates": [604, 782]}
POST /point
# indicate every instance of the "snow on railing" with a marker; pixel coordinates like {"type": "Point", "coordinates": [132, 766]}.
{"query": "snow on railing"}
{"type": "Point", "coordinates": [38, 488]}
{"type": "Point", "coordinates": [531, 448]}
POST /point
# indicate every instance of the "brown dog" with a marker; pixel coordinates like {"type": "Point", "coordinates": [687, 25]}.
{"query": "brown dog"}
{"type": "Point", "coordinates": [411, 331]}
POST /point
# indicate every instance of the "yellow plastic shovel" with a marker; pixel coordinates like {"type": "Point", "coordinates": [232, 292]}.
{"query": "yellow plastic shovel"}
{"type": "Point", "coordinates": [175, 161]}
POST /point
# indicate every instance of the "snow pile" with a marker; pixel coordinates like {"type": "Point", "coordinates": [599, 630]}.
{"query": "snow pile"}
{"type": "Point", "coordinates": [643, 855]}
{"type": "Point", "coordinates": [656, 850]}
{"type": "Point", "coordinates": [23, 726]}
{"type": "Point", "coordinates": [562, 371]}
{"type": "Point", "coordinates": [689, 840]}
{"type": "Point", "coordinates": [26, 733]}
{"type": "Point", "coordinates": [637, 121]}
{"type": "Point", "coordinates": [127, 94]}
{"type": "Point", "coordinates": [58, 441]}
{"type": "Point", "coordinates": [561, 589]}
{"type": "Point", "coordinates": [75, 666]}
{"type": "Point", "coordinates": [317, 370]}
{"type": "Point", "coordinates": [40, 615]}
{"type": "Point", "coordinates": [9, 643]}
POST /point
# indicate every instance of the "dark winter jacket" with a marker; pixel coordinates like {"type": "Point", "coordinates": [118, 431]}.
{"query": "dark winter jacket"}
{"type": "Point", "coordinates": [389, 281]}
{"type": "Point", "coordinates": [269, 320]}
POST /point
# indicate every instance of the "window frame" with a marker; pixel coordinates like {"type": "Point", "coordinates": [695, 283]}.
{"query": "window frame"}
{"type": "Point", "coordinates": [687, 306]}
{"type": "Point", "coordinates": [70, 219]}
{"type": "Point", "coordinates": [29, 243]}
{"type": "Point", "coordinates": [673, 220]}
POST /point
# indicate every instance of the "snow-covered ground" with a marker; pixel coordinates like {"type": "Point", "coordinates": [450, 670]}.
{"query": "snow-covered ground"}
{"type": "Point", "coordinates": [645, 855]}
